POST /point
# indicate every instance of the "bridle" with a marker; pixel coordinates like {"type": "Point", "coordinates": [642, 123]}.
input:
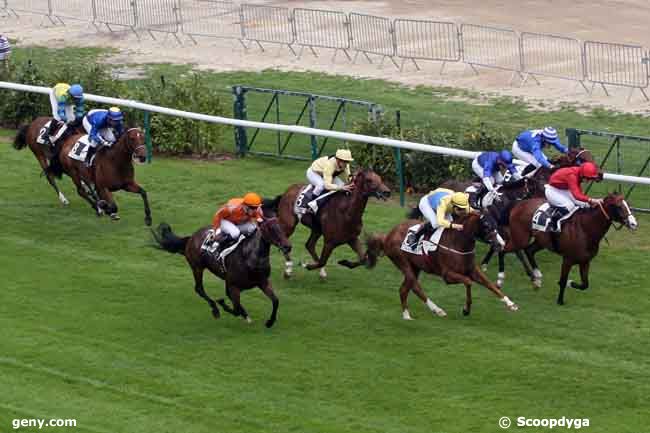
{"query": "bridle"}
{"type": "Point", "coordinates": [128, 140]}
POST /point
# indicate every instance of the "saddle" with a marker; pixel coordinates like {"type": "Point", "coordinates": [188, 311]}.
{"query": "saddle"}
{"type": "Point", "coordinates": [547, 218]}
{"type": "Point", "coordinates": [215, 248]}
{"type": "Point", "coordinates": [305, 196]}
{"type": "Point", "coordinates": [421, 239]}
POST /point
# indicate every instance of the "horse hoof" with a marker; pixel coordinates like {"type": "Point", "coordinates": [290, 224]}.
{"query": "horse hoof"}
{"type": "Point", "coordinates": [147, 221]}
{"type": "Point", "coordinates": [560, 302]}
{"type": "Point", "coordinates": [216, 314]}
{"type": "Point", "coordinates": [466, 312]}
{"type": "Point", "coordinates": [500, 284]}
{"type": "Point", "coordinates": [442, 313]}
{"type": "Point", "coordinates": [537, 284]}
{"type": "Point", "coordinates": [269, 323]}
{"type": "Point", "coordinates": [322, 274]}
{"type": "Point", "coordinates": [115, 217]}
{"type": "Point", "coordinates": [513, 307]}
{"type": "Point", "coordinates": [484, 267]}
{"type": "Point", "coordinates": [248, 320]}
{"type": "Point", "coordinates": [287, 275]}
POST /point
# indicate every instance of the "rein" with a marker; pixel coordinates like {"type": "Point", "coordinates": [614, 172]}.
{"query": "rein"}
{"type": "Point", "coordinates": [602, 208]}
{"type": "Point", "coordinates": [451, 250]}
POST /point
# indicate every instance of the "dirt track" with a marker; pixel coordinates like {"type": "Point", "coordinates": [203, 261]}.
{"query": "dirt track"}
{"type": "Point", "coordinates": [611, 21]}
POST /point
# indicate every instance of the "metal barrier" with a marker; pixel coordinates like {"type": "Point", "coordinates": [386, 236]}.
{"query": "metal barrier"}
{"type": "Point", "coordinates": [116, 13]}
{"type": "Point", "coordinates": [621, 154]}
{"type": "Point", "coordinates": [213, 19]}
{"type": "Point", "coordinates": [618, 65]}
{"type": "Point", "coordinates": [269, 24]}
{"type": "Point", "coordinates": [372, 35]}
{"type": "Point", "coordinates": [79, 10]}
{"type": "Point", "coordinates": [552, 56]}
{"type": "Point", "coordinates": [491, 47]}
{"type": "Point", "coordinates": [426, 40]}
{"type": "Point", "coordinates": [34, 7]}
{"type": "Point", "coordinates": [322, 29]}
{"type": "Point", "coordinates": [161, 16]}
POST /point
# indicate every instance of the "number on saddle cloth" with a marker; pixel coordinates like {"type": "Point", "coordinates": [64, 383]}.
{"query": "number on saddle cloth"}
{"type": "Point", "coordinates": [80, 150]}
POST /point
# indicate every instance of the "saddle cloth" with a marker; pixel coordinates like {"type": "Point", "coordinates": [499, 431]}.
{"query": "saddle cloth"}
{"type": "Point", "coordinates": [211, 247]}
{"type": "Point", "coordinates": [424, 245]}
{"type": "Point", "coordinates": [544, 215]}
{"type": "Point", "coordinates": [41, 134]}
{"type": "Point", "coordinates": [306, 195]}
{"type": "Point", "coordinates": [80, 149]}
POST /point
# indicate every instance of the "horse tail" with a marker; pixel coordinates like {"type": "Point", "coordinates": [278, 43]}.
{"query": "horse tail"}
{"type": "Point", "coordinates": [168, 241]}
{"type": "Point", "coordinates": [272, 204]}
{"type": "Point", "coordinates": [414, 214]}
{"type": "Point", "coordinates": [20, 141]}
{"type": "Point", "coordinates": [375, 249]}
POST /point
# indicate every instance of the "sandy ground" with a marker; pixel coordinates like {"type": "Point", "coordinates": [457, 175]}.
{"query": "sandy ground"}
{"type": "Point", "coordinates": [601, 20]}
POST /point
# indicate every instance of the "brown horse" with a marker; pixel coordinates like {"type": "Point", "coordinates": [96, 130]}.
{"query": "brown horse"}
{"type": "Point", "coordinates": [112, 170]}
{"type": "Point", "coordinates": [339, 221]}
{"type": "Point", "coordinates": [453, 261]}
{"type": "Point", "coordinates": [27, 136]}
{"type": "Point", "coordinates": [577, 243]}
{"type": "Point", "coordinates": [246, 267]}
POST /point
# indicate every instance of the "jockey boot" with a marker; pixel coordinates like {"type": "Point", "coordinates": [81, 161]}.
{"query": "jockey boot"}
{"type": "Point", "coordinates": [49, 134]}
{"type": "Point", "coordinates": [556, 216]}
{"type": "Point", "coordinates": [89, 156]}
{"type": "Point", "coordinates": [528, 169]}
{"type": "Point", "coordinates": [313, 202]}
{"type": "Point", "coordinates": [414, 237]}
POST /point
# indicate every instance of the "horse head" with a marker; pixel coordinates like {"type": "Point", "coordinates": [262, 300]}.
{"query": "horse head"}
{"type": "Point", "coordinates": [369, 183]}
{"type": "Point", "coordinates": [616, 209]}
{"type": "Point", "coordinates": [134, 145]}
{"type": "Point", "coordinates": [273, 234]}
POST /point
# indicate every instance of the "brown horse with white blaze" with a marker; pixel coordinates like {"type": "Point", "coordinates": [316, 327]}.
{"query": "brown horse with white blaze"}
{"type": "Point", "coordinates": [579, 241]}
{"type": "Point", "coordinates": [339, 221]}
{"type": "Point", "coordinates": [453, 261]}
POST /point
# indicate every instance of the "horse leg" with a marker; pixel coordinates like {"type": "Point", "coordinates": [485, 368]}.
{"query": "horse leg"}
{"type": "Point", "coordinates": [324, 256]}
{"type": "Point", "coordinates": [417, 289]}
{"type": "Point", "coordinates": [487, 258]}
{"type": "Point", "coordinates": [111, 206]}
{"type": "Point", "coordinates": [564, 276]}
{"type": "Point", "coordinates": [268, 291]}
{"type": "Point", "coordinates": [83, 193]}
{"type": "Point", "coordinates": [50, 178]}
{"type": "Point", "coordinates": [584, 276]}
{"type": "Point", "coordinates": [310, 245]}
{"type": "Point", "coordinates": [356, 246]}
{"type": "Point", "coordinates": [225, 306]}
{"type": "Point", "coordinates": [198, 288]}
{"type": "Point", "coordinates": [525, 264]}
{"type": "Point", "coordinates": [234, 295]}
{"type": "Point", "coordinates": [531, 250]}
{"type": "Point", "coordinates": [478, 276]}
{"type": "Point", "coordinates": [410, 281]}
{"type": "Point", "coordinates": [137, 189]}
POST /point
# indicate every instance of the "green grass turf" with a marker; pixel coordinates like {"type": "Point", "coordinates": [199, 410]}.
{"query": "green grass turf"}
{"type": "Point", "coordinates": [97, 325]}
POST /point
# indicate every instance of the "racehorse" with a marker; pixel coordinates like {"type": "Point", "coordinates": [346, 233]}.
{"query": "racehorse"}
{"type": "Point", "coordinates": [453, 261]}
{"type": "Point", "coordinates": [578, 242]}
{"type": "Point", "coordinates": [112, 169]}
{"type": "Point", "coordinates": [339, 221]}
{"type": "Point", "coordinates": [27, 136]}
{"type": "Point", "coordinates": [246, 267]}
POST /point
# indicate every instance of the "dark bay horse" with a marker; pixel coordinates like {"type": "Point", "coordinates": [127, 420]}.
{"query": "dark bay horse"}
{"type": "Point", "coordinates": [578, 242]}
{"type": "Point", "coordinates": [339, 221]}
{"type": "Point", "coordinates": [27, 136]}
{"type": "Point", "coordinates": [248, 266]}
{"type": "Point", "coordinates": [453, 261]}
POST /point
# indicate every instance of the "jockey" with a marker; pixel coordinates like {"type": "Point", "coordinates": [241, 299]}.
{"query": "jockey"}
{"type": "Point", "coordinates": [439, 207]}
{"type": "Point", "coordinates": [488, 167]}
{"type": "Point", "coordinates": [104, 128]}
{"type": "Point", "coordinates": [565, 194]}
{"type": "Point", "coordinates": [238, 216]}
{"type": "Point", "coordinates": [529, 144]}
{"type": "Point", "coordinates": [331, 174]}
{"type": "Point", "coordinates": [67, 109]}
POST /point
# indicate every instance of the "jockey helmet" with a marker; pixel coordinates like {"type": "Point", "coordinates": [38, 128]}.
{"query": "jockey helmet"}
{"type": "Point", "coordinates": [76, 91]}
{"type": "Point", "coordinates": [253, 200]}
{"type": "Point", "coordinates": [344, 155]}
{"type": "Point", "coordinates": [460, 200]}
{"type": "Point", "coordinates": [115, 114]}
{"type": "Point", "coordinates": [549, 134]}
{"type": "Point", "coordinates": [589, 170]}
{"type": "Point", "coordinates": [505, 156]}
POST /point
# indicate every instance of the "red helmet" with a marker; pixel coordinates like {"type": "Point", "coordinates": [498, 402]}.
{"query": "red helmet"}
{"type": "Point", "coordinates": [589, 170]}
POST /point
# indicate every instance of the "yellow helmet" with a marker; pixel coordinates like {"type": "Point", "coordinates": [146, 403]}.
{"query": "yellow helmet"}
{"type": "Point", "coordinates": [253, 200]}
{"type": "Point", "coordinates": [460, 200]}
{"type": "Point", "coordinates": [344, 155]}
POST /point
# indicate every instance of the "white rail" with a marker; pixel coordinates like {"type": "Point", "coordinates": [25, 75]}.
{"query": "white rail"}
{"type": "Point", "coordinates": [292, 128]}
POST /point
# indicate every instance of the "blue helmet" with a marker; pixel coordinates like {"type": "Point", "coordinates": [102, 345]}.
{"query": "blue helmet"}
{"type": "Point", "coordinates": [505, 156]}
{"type": "Point", "coordinates": [115, 114]}
{"type": "Point", "coordinates": [76, 91]}
{"type": "Point", "coordinates": [549, 134]}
